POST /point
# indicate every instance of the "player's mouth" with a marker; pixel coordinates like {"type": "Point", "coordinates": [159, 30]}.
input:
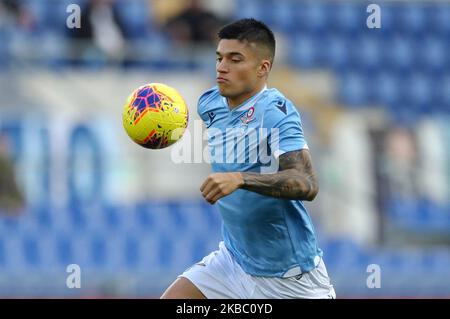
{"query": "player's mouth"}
{"type": "Point", "coordinates": [221, 80]}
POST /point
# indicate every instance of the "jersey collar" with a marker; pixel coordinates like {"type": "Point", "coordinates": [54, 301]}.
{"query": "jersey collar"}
{"type": "Point", "coordinates": [248, 103]}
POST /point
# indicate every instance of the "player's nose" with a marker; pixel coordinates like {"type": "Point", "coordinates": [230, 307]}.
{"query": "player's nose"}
{"type": "Point", "coordinates": [221, 67]}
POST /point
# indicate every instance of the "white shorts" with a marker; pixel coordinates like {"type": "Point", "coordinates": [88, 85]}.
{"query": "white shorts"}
{"type": "Point", "coordinates": [219, 276]}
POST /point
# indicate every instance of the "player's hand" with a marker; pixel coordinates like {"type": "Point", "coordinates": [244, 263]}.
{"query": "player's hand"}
{"type": "Point", "coordinates": [218, 185]}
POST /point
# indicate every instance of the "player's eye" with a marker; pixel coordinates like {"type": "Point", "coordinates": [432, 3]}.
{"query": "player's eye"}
{"type": "Point", "coordinates": [218, 59]}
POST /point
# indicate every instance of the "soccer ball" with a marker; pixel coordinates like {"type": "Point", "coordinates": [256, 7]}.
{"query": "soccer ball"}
{"type": "Point", "coordinates": [155, 116]}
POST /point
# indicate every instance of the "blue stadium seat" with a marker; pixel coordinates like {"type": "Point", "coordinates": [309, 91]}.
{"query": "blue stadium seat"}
{"type": "Point", "coordinates": [401, 261]}
{"type": "Point", "coordinates": [98, 252]}
{"type": "Point", "coordinates": [4, 50]}
{"type": "Point", "coordinates": [177, 218]}
{"type": "Point", "coordinates": [386, 88]}
{"type": "Point", "coordinates": [342, 253]}
{"type": "Point", "coordinates": [64, 251]}
{"type": "Point", "coordinates": [3, 255]}
{"type": "Point", "coordinates": [10, 224]}
{"type": "Point", "coordinates": [399, 53]}
{"type": "Point", "coordinates": [77, 216]}
{"type": "Point", "coordinates": [353, 88]}
{"type": "Point", "coordinates": [248, 9]}
{"type": "Point", "coordinates": [417, 90]}
{"type": "Point", "coordinates": [400, 210]}
{"type": "Point", "coordinates": [165, 250]}
{"type": "Point", "coordinates": [443, 90]}
{"type": "Point", "coordinates": [436, 260]}
{"type": "Point", "coordinates": [43, 216]}
{"type": "Point", "coordinates": [338, 53]}
{"type": "Point", "coordinates": [433, 216]}
{"type": "Point", "coordinates": [347, 17]}
{"type": "Point", "coordinates": [199, 248]}
{"type": "Point", "coordinates": [366, 52]}
{"type": "Point", "coordinates": [413, 18]}
{"type": "Point", "coordinates": [433, 54]}
{"type": "Point", "coordinates": [31, 251]}
{"type": "Point", "coordinates": [112, 216]}
{"type": "Point", "coordinates": [131, 252]}
{"type": "Point", "coordinates": [306, 51]}
{"type": "Point", "coordinates": [135, 15]}
{"type": "Point", "coordinates": [283, 15]}
{"type": "Point", "coordinates": [143, 215]}
{"type": "Point", "coordinates": [311, 16]}
{"type": "Point", "coordinates": [439, 19]}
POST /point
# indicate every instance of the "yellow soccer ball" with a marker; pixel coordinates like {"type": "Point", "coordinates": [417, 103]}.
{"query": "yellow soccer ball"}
{"type": "Point", "coordinates": [155, 116]}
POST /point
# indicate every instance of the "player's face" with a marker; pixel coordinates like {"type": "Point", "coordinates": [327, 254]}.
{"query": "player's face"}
{"type": "Point", "coordinates": [238, 70]}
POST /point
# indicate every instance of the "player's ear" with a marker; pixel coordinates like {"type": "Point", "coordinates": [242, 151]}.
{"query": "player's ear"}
{"type": "Point", "coordinates": [264, 67]}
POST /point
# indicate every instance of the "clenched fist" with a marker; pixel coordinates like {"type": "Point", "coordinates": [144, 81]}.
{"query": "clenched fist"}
{"type": "Point", "coordinates": [218, 185]}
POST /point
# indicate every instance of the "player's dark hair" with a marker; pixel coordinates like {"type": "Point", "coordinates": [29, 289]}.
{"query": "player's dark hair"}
{"type": "Point", "coordinates": [252, 31]}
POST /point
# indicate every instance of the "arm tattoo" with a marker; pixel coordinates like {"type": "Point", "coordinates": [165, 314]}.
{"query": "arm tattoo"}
{"type": "Point", "coordinates": [295, 180]}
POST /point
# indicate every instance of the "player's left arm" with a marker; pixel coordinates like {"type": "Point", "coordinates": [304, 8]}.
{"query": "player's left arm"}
{"type": "Point", "coordinates": [296, 180]}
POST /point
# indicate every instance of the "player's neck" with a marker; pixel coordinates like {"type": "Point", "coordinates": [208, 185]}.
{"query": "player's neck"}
{"type": "Point", "coordinates": [235, 102]}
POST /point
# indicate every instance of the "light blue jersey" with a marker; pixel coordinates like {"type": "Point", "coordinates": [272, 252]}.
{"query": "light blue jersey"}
{"type": "Point", "coordinates": [267, 236]}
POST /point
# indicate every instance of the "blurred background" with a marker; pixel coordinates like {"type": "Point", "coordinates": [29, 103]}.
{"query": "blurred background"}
{"type": "Point", "coordinates": [74, 189]}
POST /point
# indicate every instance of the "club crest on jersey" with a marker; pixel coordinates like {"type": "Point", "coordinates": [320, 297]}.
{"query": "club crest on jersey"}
{"type": "Point", "coordinates": [248, 117]}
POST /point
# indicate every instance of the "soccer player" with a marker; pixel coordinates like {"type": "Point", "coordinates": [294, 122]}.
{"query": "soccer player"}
{"type": "Point", "coordinates": [269, 247]}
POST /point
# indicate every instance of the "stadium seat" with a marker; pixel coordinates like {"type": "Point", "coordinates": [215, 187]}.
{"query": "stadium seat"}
{"type": "Point", "coordinates": [389, 18]}
{"type": "Point", "coordinates": [353, 88]}
{"type": "Point", "coordinates": [112, 217]}
{"type": "Point", "coordinates": [77, 216]}
{"type": "Point", "coordinates": [98, 252]}
{"type": "Point", "coordinates": [337, 53]}
{"type": "Point", "coordinates": [177, 218]}
{"type": "Point", "coordinates": [401, 53]}
{"type": "Point", "coordinates": [401, 210]}
{"type": "Point", "coordinates": [64, 251]}
{"type": "Point", "coordinates": [136, 18]}
{"type": "Point", "coordinates": [443, 90]}
{"type": "Point", "coordinates": [283, 15]}
{"type": "Point", "coordinates": [31, 251]}
{"type": "Point", "coordinates": [413, 18]}
{"type": "Point", "coordinates": [347, 17]}
{"type": "Point", "coordinates": [436, 260]}
{"type": "Point", "coordinates": [311, 16]}
{"type": "Point", "coordinates": [131, 252]}
{"type": "Point", "coordinates": [248, 9]}
{"type": "Point", "coordinates": [366, 52]}
{"type": "Point", "coordinates": [385, 87]}
{"type": "Point", "coordinates": [165, 251]}
{"type": "Point", "coordinates": [417, 90]}
{"type": "Point", "coordinates": [144, 216]}
{"type": "Point", "coordinates": [43, 216]}
{"type": "Point", "coordinates": [433, 54]}
{"type": "Point", "coordinates": [439, 17]}
{"type": "Point", "coordinates": [3, 255]}
{"type": "Point", "coordinates": [306, 51]}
